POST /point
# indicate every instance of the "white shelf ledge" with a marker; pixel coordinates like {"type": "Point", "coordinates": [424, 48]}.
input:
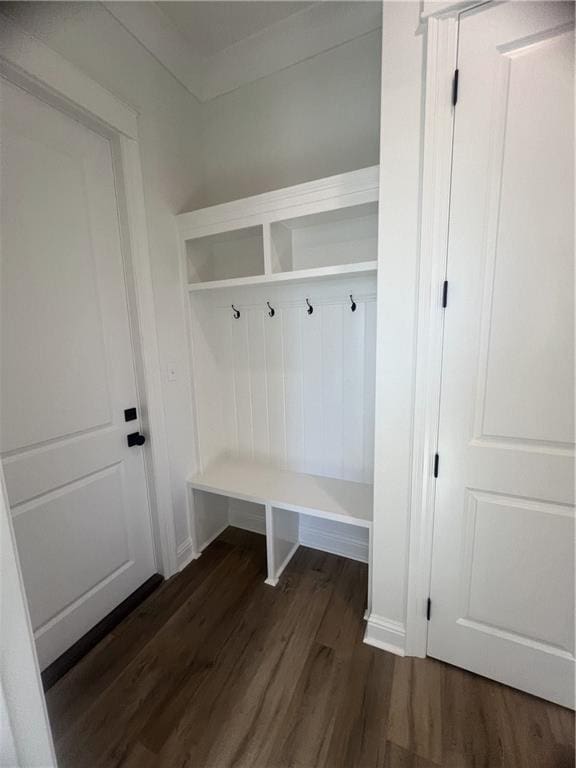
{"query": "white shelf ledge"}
{"type": "Point", "coordinates": [326, 497]}
{"type": "Point", "coordinates": [285, 277]}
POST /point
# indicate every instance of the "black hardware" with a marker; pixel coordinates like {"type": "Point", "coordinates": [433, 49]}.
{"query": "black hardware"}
{"type": "Point", "coordinates": [428, 609]}
{"type": "Point", "coordinates": [272, 310]}
{"type": "Point", "coordinates": [130, 414]}
{"type": "Point", "coordinates": [436, 462]}
{"type": "Point", "coordinates": [352, 304]}
{"type": "Point", "coordinates": [455, 88]}
{"type": "Point", "coordinates": [135, 438]}
{"type": "Point", "coordinates": [445, 294]}
{"type": "Point", "coordinates": [310, 307]}
{"type": "Point", "coordinates": [236, 312]}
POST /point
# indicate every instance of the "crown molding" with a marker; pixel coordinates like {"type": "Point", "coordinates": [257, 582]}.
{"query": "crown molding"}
{"type": "Point", "coordinates": [309, 32]}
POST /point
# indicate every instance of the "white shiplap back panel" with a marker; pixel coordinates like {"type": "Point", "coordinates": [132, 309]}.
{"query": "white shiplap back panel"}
{"type": "Point", "coordinates": [369, 393]}
{"type": "Point", "coordinates": [293, 375]}
{"type": "Point", "coordinates": [332, 389]}
{"type": "Point", "coordinates": [296, 389]}
{"type": "Point", "coordinates": [353, 371]}
{"type": "Point", "coordinates": [313, 416]}
{"type": "Point", "coordinates": [255, 320]}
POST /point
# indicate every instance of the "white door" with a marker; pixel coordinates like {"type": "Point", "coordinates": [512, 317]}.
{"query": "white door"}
{"type": "Point", "coordinates": [77, 492]}
{"type": "Point", "coordinates": [502, 586]}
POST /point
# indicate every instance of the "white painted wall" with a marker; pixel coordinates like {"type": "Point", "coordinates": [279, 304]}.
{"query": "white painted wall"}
{"type": "Point", "coordinates": [398, 264]}
{"type": "Point", "coordinates": [314, 119]}
{"type": "Point", "coordinates": [169, 125]}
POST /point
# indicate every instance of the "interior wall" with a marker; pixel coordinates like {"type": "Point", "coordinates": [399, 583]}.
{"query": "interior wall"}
{"type": "Point", "coordinates": [398, 264]}
{"type": "Point", "coordinates": [317, 118]}
{"type": "Point", "coordinates": [169, 126]}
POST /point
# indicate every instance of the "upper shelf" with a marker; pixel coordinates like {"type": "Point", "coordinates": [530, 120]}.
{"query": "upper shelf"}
{"type": "Point", "coordinates": [323, 228]}
{"type": "Point", "coordinates": [365, 267]}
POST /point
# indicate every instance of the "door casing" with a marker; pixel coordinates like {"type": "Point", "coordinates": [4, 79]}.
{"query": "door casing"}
{"type": "Point", "coordinates": [442, 48]}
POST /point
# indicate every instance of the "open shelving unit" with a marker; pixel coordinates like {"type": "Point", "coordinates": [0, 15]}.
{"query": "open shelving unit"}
{"type": "Point", "coordinates": [281, 293]}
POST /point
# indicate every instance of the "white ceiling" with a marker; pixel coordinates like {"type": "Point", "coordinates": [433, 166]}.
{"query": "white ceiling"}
{"type": "Point", "coordinates": [210, 27]}
{"type": "Point", "coordinates": [216, 46]}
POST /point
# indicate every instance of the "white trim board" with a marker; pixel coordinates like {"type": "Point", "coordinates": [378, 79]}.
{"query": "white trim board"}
{"type": "Point", "coordinates": [339, 191]}
{"type": "Point", "coordinates": [385, 634]}
{"type": "Point", "coordinates": [306, 33]}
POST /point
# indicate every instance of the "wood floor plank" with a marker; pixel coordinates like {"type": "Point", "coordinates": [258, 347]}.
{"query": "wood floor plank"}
{"type": "Point", "coordinates": [415, 721]}
{"type": "Point", "coordinates": [218, 670]}
{"type": "Point", "coordinates": [359, 734]}
{"type": "Point", "coordinates": [471, 708]}
{"type": "Point", "coordinates": [87, 680]}
{"type": "Point", "coordinates": [309, 721]}
{"type": "Point", "coordinates": [154, 672]}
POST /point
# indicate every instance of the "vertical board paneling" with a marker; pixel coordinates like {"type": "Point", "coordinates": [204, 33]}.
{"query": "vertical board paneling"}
{"type": "Point", "coordinates": [294, 389]}
{"type": "Point", "coordinates": [312, 426]}
{"type": "Point", "coordinates": [291, 318]}
{"type": "Point", "coordinates": [275, 389]}
{"type": "Point", "coordinates": [258, 383]}
{"type": "Point", "coordinates": [241, 363]}
{"type": "Point", "coordinates": [369, 389]}
{"type": "Point", "coordinates": [333, 377]}
{"type": "Point", "coordinates": [353, 393]}
{"type": "Point", "coordinates": [224, 340]}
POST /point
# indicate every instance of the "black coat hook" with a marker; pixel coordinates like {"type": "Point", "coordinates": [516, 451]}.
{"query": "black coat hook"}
{"type": "Point", "coordinates": [236, 312]}
{"type": "Point", "coordinates": [352, 304]}
{"type": "Point", "coordinates": [310, 307]}
{"type": "Point", "coordinates": [272, 311]}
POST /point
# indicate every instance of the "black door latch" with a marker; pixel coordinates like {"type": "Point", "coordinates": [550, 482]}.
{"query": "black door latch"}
{"type": "Point", "coordinates": [135, 439]}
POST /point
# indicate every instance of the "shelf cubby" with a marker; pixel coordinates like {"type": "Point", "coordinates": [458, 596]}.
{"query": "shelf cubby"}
{"type": "Point", "coordinates": [225, 256]}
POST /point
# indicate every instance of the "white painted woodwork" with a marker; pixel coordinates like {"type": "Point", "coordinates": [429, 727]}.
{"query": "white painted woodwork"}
{"type": "Point", "coordinates": [77, 493]}
{"type": "Point", "coordinates": [282, 540]}
{"type": "Point", "coordinates": [226, 256]}
{"type": "Point", "coordinates": [284, 397]}
{"type": "Point", "coordinates": [331, 238]}
{"type": "Point", "coordinates": [503, 560]}
{"type": "Point", "coordinates": [340, 500]}
{"type": "Point", "coordinates": [296, 389]}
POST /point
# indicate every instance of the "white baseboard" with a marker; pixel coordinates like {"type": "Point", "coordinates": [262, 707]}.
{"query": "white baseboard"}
{"type": "Point", "coordinates": [337, 538]}
{"type": "Point", "coordinates": [326, 535]}
{"type": "Point", "coordinates": [248, 516]}
{"type": "Point", "coordinates": [385, 634]}
{"type": "Point", "coordinates": [185, 554]}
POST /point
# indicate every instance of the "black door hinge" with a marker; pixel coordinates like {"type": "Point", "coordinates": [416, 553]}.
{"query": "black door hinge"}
{"type": "Point", "coordinates": [428, 609]}
{"type": "Point", "coordinates": [445, 294]}
{"type": "Point", "coordinates": [436, 462]}
{"type": "Point", "coordinates": [455, 88]}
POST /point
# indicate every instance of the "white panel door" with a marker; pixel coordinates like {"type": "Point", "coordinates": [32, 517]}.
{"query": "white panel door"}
{"type": "Point", "coordinates": [77, 492]}
{"type": "Point", "coordinates": [503, 557]}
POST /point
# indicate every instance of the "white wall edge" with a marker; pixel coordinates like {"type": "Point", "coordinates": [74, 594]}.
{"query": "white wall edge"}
{"type": "Point", "coordinates": [385, 634]}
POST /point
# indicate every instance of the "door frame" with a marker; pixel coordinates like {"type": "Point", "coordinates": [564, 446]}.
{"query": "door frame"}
{"type": "Point", "coordinates": [442, 20]}
{"type": "Point", "coordinates": [28, 63]}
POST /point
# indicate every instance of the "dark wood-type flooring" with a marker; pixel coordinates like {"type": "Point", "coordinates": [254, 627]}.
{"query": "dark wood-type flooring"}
{"type": "Point", "coordinates": [217, 669]}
